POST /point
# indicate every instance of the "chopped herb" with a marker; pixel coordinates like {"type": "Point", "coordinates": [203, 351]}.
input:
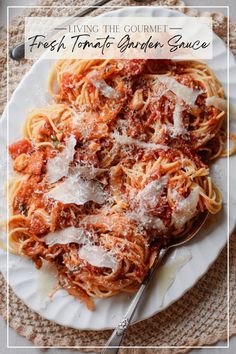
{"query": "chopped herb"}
{"type": "Point", "coordinates": [56, 143]}
{"type": "Point", "coordinates": [107, 69]}
{"type": "Point", "coordinates": [22, 208]}
{"type": "Point", "coordinates": [55, 140]}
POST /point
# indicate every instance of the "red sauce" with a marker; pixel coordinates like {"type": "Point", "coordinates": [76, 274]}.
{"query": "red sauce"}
{"type": "Point", "coordinates": [37, 225]}
{"type": "Point", "coordinates": [22, 146]}
{"type": "Point", "coordinates": [46, 129]}
{"type": "Point", "coordinates": [133, 67]}
{"type": "Point", "coordinates": [36, 163]}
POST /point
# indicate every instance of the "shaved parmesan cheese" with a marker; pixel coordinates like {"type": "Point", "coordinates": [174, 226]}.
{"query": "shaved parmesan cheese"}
{"type": "Point", "coordinates": [89, 171]}
{"type": "Point", "coordinates": [75, 190]}
{"type": "Point", "coordinates": [154, 223]}
{"type": "Point", "coordinates": [158, 90]}
{"type": "Point", "coordinates": [148, 195]}
{"type": "Point", "coordinates": [65, 236]}
{"type": "Point", "coordinates": [44, 215]}
{"type": "Point", "coordinates": [126, 140]}
{"type": "Point", "coordinates": [217, 102]}
{"type": "Point", "coordinates": [97, 256]}
{"type": "Point", "coordinates": [147, 199]}
{"type": "Point", "coordinates": [58, 166]}
{"type": "Point", "coordinates": [185, 93]}
{"type": "Point", "coordinates": [147, 221]}
{"type": "Point", "coordinates": [101, 85]}
{"type": "Point", "coordinates": [186, 208]}
{"type": "Point", "coordinates": [105, 89]}
{"type": "Point", "coordinates": [46, 282]}
{"type": "Point", "coordinates": [178, 128]}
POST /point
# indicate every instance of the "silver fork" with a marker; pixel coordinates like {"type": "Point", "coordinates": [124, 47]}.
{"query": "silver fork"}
{"type": "Point", "coordinates": [114, 342]}
{"type": "Point", "coordinates": [18, 52]}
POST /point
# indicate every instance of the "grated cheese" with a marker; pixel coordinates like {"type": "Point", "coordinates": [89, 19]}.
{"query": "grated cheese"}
{"type": "Point", "coordinates": [88, 171]}
{"type": "Point", "coordinates": [178, 128]}
{"type": "Point", "coordinates": [84, 122]}
{"type": "Point", "coordinates": [185, 93]}
{"type": "Point", "coordinates": [148, 195]}
{"type": "Point", "coordinates": [126, 140]}
{"type": "Point", "coordinates": [185, 207]}
{"type": "Point", "coordinates": [147, 221]}
{"type": "Point", "coordinates": [217, 102]}
{"type": "Point", "coordinates": [58, 166]}
{"type": "Point", "coordinates": [88, 126]}
{"type": "Point", "coordinates": [97, 256]}
{"type": "Point", "coordinates": [75, 190]}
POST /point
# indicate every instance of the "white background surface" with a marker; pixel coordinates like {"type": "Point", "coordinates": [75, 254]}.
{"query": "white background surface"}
{"type": "Point", "coordinates": [15, 339]}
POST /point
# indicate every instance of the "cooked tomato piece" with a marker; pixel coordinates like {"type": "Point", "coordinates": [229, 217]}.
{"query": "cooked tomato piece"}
{"type": "Point", "coordinates": [133, 67]}
{"type": "Point", "coordinates": [46, 129]}
{"type": "Point", "coordinates": [61, 216]}
{"type": "Point", "coordinates": [38, 225]}
{"type": "Point", "coordinates": [20, 147]}
{"type": "Point", "coordinates": [36, 163]}
{"type": "Point", "coordinates": [21, 162]}
{"type": "Point", "coordinates": [30, 164]}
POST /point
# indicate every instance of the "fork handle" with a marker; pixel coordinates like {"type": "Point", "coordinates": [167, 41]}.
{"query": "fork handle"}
{"type": "Point", "coordinates": [112, 346]}
{"type": "Point", "coordinates": [18, 51]}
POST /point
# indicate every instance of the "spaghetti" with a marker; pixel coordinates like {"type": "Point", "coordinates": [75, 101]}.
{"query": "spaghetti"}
{"type": "Point", "coordinates": [114, 168]}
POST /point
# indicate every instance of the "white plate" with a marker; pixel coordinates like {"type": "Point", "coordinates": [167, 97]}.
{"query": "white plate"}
{"type": "Point", "coordinates": [65, 310]}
